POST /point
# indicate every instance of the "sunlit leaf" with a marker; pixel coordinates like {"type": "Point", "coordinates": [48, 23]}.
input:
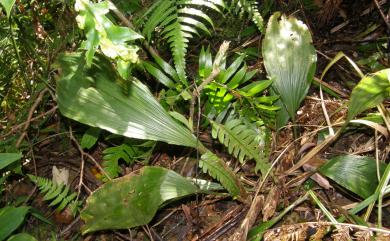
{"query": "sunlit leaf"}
{"type": "Point", "coordinates": [369, 92]}
{"type": "Point", "coordinates": [290, 60]}
{"type": "Point", "coordinates": [355, 173]}
{"type": "Point", "coordinates": [92, 97]}
{"type": "Point", "coordinates": [133, 200]}
{"type": "Point", "coordinates": [102, 32]}
{"type": "Point", "coordinates": [8, 4]}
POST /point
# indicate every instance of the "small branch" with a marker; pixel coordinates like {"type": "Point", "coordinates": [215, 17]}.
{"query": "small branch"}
{"type": "Point", "coordinates": [83, 153]}
{"type": "Point", "coordinates": [30, 114]}
{"type": "Point", "coordinates": [386, 19]}
{"type": "Point", "coordinates": [14, 128]}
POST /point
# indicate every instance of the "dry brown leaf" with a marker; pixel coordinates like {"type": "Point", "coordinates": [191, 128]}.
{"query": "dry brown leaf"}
{"type": "Point", "coordinates": [271, 203]}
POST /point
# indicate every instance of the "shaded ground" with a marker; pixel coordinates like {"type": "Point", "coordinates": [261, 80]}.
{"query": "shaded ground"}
{"type": "Point", "coordinates": [354, 27]}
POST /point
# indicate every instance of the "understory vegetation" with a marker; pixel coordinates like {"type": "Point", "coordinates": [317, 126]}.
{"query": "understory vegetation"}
{"type": "Point", "coordinates": [194, 120]}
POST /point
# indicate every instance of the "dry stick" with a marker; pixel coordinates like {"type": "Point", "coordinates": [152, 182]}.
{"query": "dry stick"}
{"type": "Point", "coordinates": [30, 114]}
{"type": "Point", "coordinates": [14, 128]}
{"type": "Point", "coordinates": [331, 131]}
{"type": "Point", "coordinates": [69, 226]}
{"type": "Point", "coordinates": [83, 153]}
{"type": "Point", "coordinates": [82, 162]}
{"type": "Point", "coordinates": [254, 209]}
{"type": "Point", "coordinates": [320, 82]}
{"type": "Point", "coordinates": [386, 19]}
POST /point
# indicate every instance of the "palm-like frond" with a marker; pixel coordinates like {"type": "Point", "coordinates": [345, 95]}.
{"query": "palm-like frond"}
{"type": "Point", "coordinates": [92, 97]}
{"type": "Point", "coordinates": [178, 21]}
{"type": "Point", "coordinates": [236, 83]}
{"type": "Point", "coordinates": [290, 60]}
{"type": "Point", "coordinates": [244, 140]}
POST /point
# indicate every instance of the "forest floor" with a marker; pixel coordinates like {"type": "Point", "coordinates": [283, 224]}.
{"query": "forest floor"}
{"type": "Point", "coordinates": [354, 27]}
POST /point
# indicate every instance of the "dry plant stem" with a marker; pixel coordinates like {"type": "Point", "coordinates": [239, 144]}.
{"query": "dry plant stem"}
{"type": "Point", "coordinates": [30, 114]}
{"type": "Point", "coordinates": [386, 19]}
{"type": "Point", "coordinates": [82, 162]}
{"type": "Point", "coordinates": [197, 90]}
{"type": "Point", "coordinates": [315, 151]}
{"type": "Point", "coordinates": [254, 209]}
{"type": "Point", "coordinates": [147, 231]}
{"type": "Point", "coordinates": [83, 153]}
{"type": "Point", "coordinates": [63, 232]}
{"type": "Point", "coordinates": [14, 128]}
{"type": "Point", "coordinates": [331, 131]}
{"type": "Point", "coordinates": [250, 218]}
{"type": "Point", "coordinates": [342, 94]}
{"type": "Point", "coordinates": [35, 173]}
{"type": "Point", "coordinates": [385, 115]}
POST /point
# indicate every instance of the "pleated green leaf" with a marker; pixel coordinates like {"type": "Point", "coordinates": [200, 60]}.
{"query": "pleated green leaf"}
{"type": "Point", "coordinates": [290, 60]}
{"type": "Point", "coordinates": [10, 219]}
{"type": "Point", "coordinates": [133, 200]}
{"type": "Point", "coordinates": [9, 158]}
{"type": "Point", "coordinates": [22, 237]}
{"type": "Point", "coordinates": [93, 97]}
{"type": "Point", "coordinates": [356, 173]}
{"type": "Point", "coordinates": [8, 4]}
{"type": "Point", "coordinates": [369, 92]}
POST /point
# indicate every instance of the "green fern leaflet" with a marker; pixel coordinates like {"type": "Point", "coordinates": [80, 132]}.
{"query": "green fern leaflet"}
{"type": "Point", "coordinates": [177, 21]}
{"type": "Point", "coordinates": [58, 194]}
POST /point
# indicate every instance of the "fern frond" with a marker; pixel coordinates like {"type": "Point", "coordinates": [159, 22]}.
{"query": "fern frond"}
{"type": "Point", "coordinates": [178, 21]}
{"type": "Point", "coordinates": [213, 165]}
{"type": "Point", "coordinates": [127, 152]}
{"type": "Point", "coordinates": [251, 8]}
{"type": "Point", "coordinates": [57, 194]}
{"type": "Point", "coordinates": [243, 140]}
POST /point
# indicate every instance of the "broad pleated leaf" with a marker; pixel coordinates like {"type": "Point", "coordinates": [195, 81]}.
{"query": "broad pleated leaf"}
{"type": "Point", "coordinates": [8, 4]}
{"type": "Point", "coordinates": [10, 219]}
{"type": "Point", "coordinates": [290, 60]}
{"type": "Point", "coordinates": [22, 237]}
{"type": "Point", "coordinates": [369, 92]}
{"type": "Point", "coordinates": [355, 173]}
{"type": "Point", "coordinates": [9, 158]}
{"type": "Point", "coordinates": [92, 96]}
{"type": "Point", "coordinates": [133, 200]}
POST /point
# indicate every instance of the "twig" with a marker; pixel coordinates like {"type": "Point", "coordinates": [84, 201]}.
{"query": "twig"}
{"type": "Point", "coordinates": [82, 162]}
{"type": "Point", "coordinates": [30, 114]}
{"type": "Point", "coordinates": [386, 19]}
{"type": "Point", "coordinates": [331, 131]}
{"type": "Point", "coordinates": [83, 153]}
{"type": "Point", "coordinates": [69, 226]}
{"type": "Point", "coordinates": [14, 128]}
